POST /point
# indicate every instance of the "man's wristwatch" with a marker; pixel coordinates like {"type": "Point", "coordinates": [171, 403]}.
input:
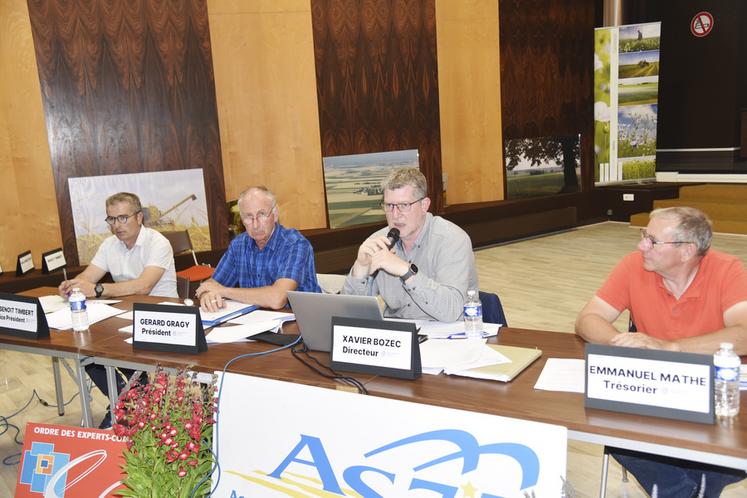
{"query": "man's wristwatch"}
{"type": "Point", "coordinates": [410, 272]}
{"type": "Point", "coordinates": [99, 289]}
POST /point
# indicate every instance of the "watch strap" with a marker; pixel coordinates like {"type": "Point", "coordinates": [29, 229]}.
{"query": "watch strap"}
{"type": "Point", "coordinates": [412, 270]}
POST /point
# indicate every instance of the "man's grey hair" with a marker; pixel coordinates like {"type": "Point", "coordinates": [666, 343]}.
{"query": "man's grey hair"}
{"type": "Point", "coordinates": [132, 199]}
{"type": "Point", "coordinates": [403, 177]}
{"type": "Point", "coordinates": [693, 225]}
{"type": "Point", "coordinates": [263, 190]}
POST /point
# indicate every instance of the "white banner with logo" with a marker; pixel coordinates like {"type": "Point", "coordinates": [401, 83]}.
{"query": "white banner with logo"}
{"type": "Point", "coordinates": [279, 439]}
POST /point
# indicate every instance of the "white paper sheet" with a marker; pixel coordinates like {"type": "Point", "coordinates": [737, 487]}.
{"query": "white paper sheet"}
{"type": "Point", "coordinates": [105, 301]}
{"type": "Point", "coordinates": [238, 333]}
{"type": "Point", "coordinates": [447, 330]}
{"type": "Point", "coordinates": [262, 316]}
{"type": "Point", "coordinates": [51, 303]}
{"type": "Point", "coordinates": [488, 356]}
{"type": "Point", "coordinates": [62, 319]}
{"type": "Point", "coordinates": [562, 374]}
{"type": "Point", "coordinates": [451, 354]}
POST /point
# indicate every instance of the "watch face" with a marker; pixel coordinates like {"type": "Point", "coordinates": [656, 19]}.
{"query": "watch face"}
{"type": "Point", "coordinates": [413, 268]}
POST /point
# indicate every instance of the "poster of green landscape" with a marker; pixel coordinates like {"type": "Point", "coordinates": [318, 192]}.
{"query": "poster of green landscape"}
{"type": "Point", "coordinates": [353, 185]}
{"type": "Point", "coordinates": [626, 92]}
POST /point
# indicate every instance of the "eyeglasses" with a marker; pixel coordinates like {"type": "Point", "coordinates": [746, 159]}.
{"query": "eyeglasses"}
{"type": "Point", "coordinates": [651, 240]}
{"type": "Point", "coordinates": [122, 218]}
{"type": "Point", "coordinates": [261, 217]}
{"type": "Point", "coordinates": [402, 207]}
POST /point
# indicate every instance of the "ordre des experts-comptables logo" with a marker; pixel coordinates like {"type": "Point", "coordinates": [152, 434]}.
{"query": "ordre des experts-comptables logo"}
{"type": "Point", "coordinates": [45, 471]}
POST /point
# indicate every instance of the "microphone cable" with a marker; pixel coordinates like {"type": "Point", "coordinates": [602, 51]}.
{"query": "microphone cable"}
{"type": "Point", "coordinates": [216, 441]}
{"type": "Point", "coordinates": [351, 381]}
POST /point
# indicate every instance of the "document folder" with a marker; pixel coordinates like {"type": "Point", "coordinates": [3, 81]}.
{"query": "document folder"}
{"type": "Point", "coordinates": [505, 372]}
{"type": "Point", "coordinates": [231, 310]}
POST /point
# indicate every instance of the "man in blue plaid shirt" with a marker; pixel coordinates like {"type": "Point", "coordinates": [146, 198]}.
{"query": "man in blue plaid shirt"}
{"type": "Point", "coordinates": [262, 264]}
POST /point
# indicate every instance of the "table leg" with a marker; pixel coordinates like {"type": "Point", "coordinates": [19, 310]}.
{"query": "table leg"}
{"type": "Point", "coordinates": [58, 386]}
{"type": "Point", "coordinates": [111, 382]}
{"type": "Point", "coordinates": [85, 395]}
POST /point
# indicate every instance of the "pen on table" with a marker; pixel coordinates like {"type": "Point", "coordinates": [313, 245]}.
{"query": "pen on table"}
{"type": "Point", "coordinates": [463, 335]}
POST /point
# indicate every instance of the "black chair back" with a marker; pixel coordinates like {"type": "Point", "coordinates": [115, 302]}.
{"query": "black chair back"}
{"type": "Point", "coordinates": [492, 309]}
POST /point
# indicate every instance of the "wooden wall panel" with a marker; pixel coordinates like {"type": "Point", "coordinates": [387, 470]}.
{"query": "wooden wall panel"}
{"type": "Point", "coordinates": [128, 87]}
{"type": "Point", "coordinates": [266, 92]}
{"type": "Point", "coordinates": [377, 80]}
{"type": "Point", "coordinates": [470, 99]}
{"type": "Point", "coordinates": [27, 195]}
{"type": "Point", "coordinates": [547, 50]}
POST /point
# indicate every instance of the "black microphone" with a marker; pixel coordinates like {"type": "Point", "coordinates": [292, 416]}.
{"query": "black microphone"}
{"type": "Point", "coordinates": [393, 237]}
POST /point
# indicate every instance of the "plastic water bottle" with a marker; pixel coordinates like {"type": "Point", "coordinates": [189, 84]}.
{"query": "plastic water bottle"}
{"type": "Point", "coordinates": [726, 380]}
{"type": "Point", "coordinates": [78, 310]}
{"type": "Point", "coordinates": [473, 315]}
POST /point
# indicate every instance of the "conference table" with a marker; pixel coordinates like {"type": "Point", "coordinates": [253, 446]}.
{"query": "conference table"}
{"type": "Point", "coordinates": [719, 444]}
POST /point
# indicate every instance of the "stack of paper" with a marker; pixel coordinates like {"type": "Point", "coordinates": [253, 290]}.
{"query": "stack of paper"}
{"type": "Point", "coordinates": [516, 360]}
{"type": "Point", "coordinates": [447, 330]}
{"type": "Point", "coordinates": [455, 356]}
{"type": "Point", "coordinates": [743, 378]}
{"type": "Point", "coordinates": [248, 325]}
{"type": "Point", "coordinates": [62, 319]}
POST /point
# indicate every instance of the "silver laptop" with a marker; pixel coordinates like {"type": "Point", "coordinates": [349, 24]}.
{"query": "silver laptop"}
{"type": "Point", "coordinates": [314, 312]}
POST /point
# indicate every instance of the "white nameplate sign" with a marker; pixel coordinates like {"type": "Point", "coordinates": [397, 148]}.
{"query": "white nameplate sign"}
{"type": "Point", "coordinates": [650, 382]}
{"type": "Point", "coordinates": [376, 346]}
{"type": "Point", "coordinates": [25, 263]}
{"type": "Point", "coordinates": [22, 316]}
{"type": "Point", "coordinates": [53, 260]}
{"type": "Point", "coordinates": [167, 328]}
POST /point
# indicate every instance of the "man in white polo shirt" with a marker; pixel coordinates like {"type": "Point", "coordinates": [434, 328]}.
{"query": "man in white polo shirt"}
{"type": "Point", "coordinates": [139, 258]}
{"type": "Point", "coordinates": [140, 261]}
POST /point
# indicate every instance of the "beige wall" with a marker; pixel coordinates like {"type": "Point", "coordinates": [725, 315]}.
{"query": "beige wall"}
{"type": "Point", "coordinates": [263, 59]}
{"type": "Point", "coordinates": [263, 62]}
{"type": "Point", "coordinates": [470, 99]}
{"type": "Point", "coordinates": [28, 207]}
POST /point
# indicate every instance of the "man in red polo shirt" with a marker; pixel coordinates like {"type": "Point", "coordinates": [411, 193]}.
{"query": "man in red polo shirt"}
{"type": "Point", "coordinates": [682, 296]}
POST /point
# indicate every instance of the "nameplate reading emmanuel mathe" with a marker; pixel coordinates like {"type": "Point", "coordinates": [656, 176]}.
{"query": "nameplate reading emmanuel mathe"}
{"type": "Point", "coordinates": [374, 347]}
{"type": "Point", "coordinates": [164, 327]}
{"type": "Point", "coordinates": [643, 381]}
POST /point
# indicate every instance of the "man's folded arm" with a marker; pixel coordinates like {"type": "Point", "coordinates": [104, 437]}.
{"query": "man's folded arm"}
{"type": "Point", "coordinates": [594, 323]}
{"type": "Point", "coordinates": [142, 285]}
{"type": "Point", "coordinates": [734, 331]}
{"type": "Point", "coordinates": [273, 296]}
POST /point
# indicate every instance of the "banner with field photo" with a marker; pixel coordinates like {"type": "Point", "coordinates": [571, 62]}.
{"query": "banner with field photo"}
{"type": "Point", "coordinates": [353, 185]}
{"type": "Point", "coordinates": [171, 200]}
{"type": "Point", "coordinates": [626, 90]}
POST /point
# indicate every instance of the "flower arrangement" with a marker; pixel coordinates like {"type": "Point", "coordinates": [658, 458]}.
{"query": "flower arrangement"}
{"type": "Point", "coordinates": [169, 426]}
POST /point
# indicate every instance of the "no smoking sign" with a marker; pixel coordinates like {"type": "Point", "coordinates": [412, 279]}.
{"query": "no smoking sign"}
{"type": "Point", "coordinates": [702, 24]}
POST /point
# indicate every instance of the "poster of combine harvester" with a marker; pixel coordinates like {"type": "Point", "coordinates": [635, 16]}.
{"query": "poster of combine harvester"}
{"type": "Point", "coordinates": [626, 90]}
{"type": "Point", "coordinates": [353, 185]}
{"type": "Point", "coordinates": [171, 200]}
